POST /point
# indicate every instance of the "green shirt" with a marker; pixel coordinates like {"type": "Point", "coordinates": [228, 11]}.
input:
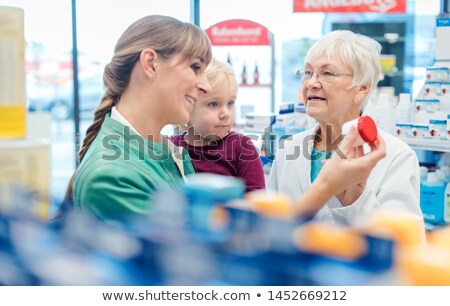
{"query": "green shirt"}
{"type": "Point", "coordinates": [120, 171]}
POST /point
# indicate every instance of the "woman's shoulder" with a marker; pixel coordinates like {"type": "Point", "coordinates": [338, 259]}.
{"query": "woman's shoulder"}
{"type": "Point", "coordinates": [291, 142]}
{"type": "Point", "coordinates": [111, 190]}
{"type": "Point", "coordinates": [97, 168]}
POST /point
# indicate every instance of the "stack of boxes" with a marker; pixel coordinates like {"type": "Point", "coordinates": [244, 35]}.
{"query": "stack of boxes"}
{"type": "Point", "coordinates": [258, 122]}
{"type": "Point", "coordinates": [431, 109]}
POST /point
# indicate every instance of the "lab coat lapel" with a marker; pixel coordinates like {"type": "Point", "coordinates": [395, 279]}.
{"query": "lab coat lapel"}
{"type": "Point", "coordinates": [303, 166]}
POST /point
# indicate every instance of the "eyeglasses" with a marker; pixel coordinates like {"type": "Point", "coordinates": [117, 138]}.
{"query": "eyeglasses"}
{"type": "Point", "coordinates": [325, 75]}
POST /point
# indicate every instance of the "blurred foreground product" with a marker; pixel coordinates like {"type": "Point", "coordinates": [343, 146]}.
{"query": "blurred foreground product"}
{"type": "Point", "coordinates": [418, 262]}
{"type": "Point", "coordinates": [428, 266]}
{"type": "Point", "coordinates": [206, 193]}
{"type": "Point", "coordinates": [406, 230]}
{"type": "Point", "coordinates": [270, 204]}
{"type": "Point", "coordinates": [12, 73]}
{"type": "Point", "coordinates": [331, 240]}
{"type": "Point", "coordinates": [440, 237]}
{"type": "Point", "coordinates": [187, 241]}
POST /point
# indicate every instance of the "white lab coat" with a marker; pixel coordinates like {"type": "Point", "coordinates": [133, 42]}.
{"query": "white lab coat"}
{"type": "Point", "coordinates": [393, 184]}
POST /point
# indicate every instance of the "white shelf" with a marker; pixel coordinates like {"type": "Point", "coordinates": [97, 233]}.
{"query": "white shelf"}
{"type": "Point", "coordinates": [23, 143]}
{"type": "Point", "coordinates": [428, 144]}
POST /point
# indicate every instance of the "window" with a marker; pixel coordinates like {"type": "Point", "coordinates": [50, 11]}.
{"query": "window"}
{"type": "Point", "coordinates": [49, 74]}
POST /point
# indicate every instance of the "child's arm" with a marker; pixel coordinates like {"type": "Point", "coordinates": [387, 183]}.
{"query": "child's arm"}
{"type": "Point", "coordinates": [249, 166]}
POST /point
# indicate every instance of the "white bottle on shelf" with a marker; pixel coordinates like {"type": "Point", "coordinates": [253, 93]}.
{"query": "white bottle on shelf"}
{"type": "Point", "coordinates": [384, 113]}
{"type": "Point", "coordinates": [369, 110]}
{"type": "Point", "coordinates": [403, 109]}
{"type": "Point", "coordinates": [423, 173]}
{"type": "Point", "coordinates": [446, 171]}
{"type": "Point", "coordinates": [441, 175]}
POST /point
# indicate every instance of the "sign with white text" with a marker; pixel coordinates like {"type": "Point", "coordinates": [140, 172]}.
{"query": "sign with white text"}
{"type": "Point", "coordinates": [238, 32]}
{"type": "Point", "coordinates": [350, 6]}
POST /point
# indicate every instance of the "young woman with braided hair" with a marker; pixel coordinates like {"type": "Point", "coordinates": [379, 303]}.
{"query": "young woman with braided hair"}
{"type": "Point", "coordinates": [155, 77]}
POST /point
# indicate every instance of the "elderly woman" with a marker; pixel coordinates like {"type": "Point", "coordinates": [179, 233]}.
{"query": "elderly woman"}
{"type": "Point", "coordinates": [341, 70]}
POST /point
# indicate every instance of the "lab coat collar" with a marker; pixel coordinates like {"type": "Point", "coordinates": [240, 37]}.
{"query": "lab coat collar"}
{"type": "Point", "coordinates": [303, 164]}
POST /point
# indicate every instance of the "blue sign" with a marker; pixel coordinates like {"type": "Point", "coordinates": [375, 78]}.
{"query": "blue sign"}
{"type": "Point", "coordinates": [443, 22]}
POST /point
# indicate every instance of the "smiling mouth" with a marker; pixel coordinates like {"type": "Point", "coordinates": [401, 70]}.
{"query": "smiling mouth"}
{"type": "Point", "coordinates": [190, 100]}
{"type": "Point", "coordinates": [315, 98]}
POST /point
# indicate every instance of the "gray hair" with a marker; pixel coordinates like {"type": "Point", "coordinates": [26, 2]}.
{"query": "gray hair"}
{"type": "Point", "coordinates": [359, 52]}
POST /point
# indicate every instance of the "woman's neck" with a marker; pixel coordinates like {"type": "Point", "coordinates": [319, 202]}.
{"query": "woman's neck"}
{"type": "Point", "coordinates": [142, 121]}
{"type": "Point", "coordinates": [327, 137]}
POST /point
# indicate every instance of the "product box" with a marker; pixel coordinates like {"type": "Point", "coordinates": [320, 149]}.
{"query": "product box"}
{"type": "Point", "coordinates": [438, 129]}
{"type": "Point", "coordinates": [285, 119]}
{"type": "Point", "coordinates": [432, 90]}
{"type": "Point", "coordinates": [257, 122]}
{"type": "Point", "coordinates": [420, 131]}
{"type": "Point", "coordinates": [301, 117]}
{"type": "Point", "coordinates": [448, 127]}
{"type": "Point", "coordinates": [287, 108]}
{"type": "Point", "coordinates": [437, 74]}
{"type": "Point", "coordinates": [257, 128]}
{"type": "Point", "coordinates": [403, 130]}
{"type": "Point", "coordinates": [445, 88]}
{"type": "Point", "coordinates": [428, 105]}
{"type": "Point", "coordinates": [254, 118]}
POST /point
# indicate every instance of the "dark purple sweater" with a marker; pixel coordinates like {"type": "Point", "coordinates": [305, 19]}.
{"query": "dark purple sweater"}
{"type": "Point", "coordinates": [234, 155]}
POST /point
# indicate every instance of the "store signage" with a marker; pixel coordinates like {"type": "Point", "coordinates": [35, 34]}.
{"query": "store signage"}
{"type": "Point", "coordinates": [350, 6]}
{"type": "Point", "coordinates": [238, 32]}
{"type": "Point", "coordinates": [443, 22]}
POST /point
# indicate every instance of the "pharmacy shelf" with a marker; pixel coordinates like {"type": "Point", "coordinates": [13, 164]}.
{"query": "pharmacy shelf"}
{"type": "Point", "coordinates": [429, 144]}
{"type": "Point", "coordinates": [23, 143]}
